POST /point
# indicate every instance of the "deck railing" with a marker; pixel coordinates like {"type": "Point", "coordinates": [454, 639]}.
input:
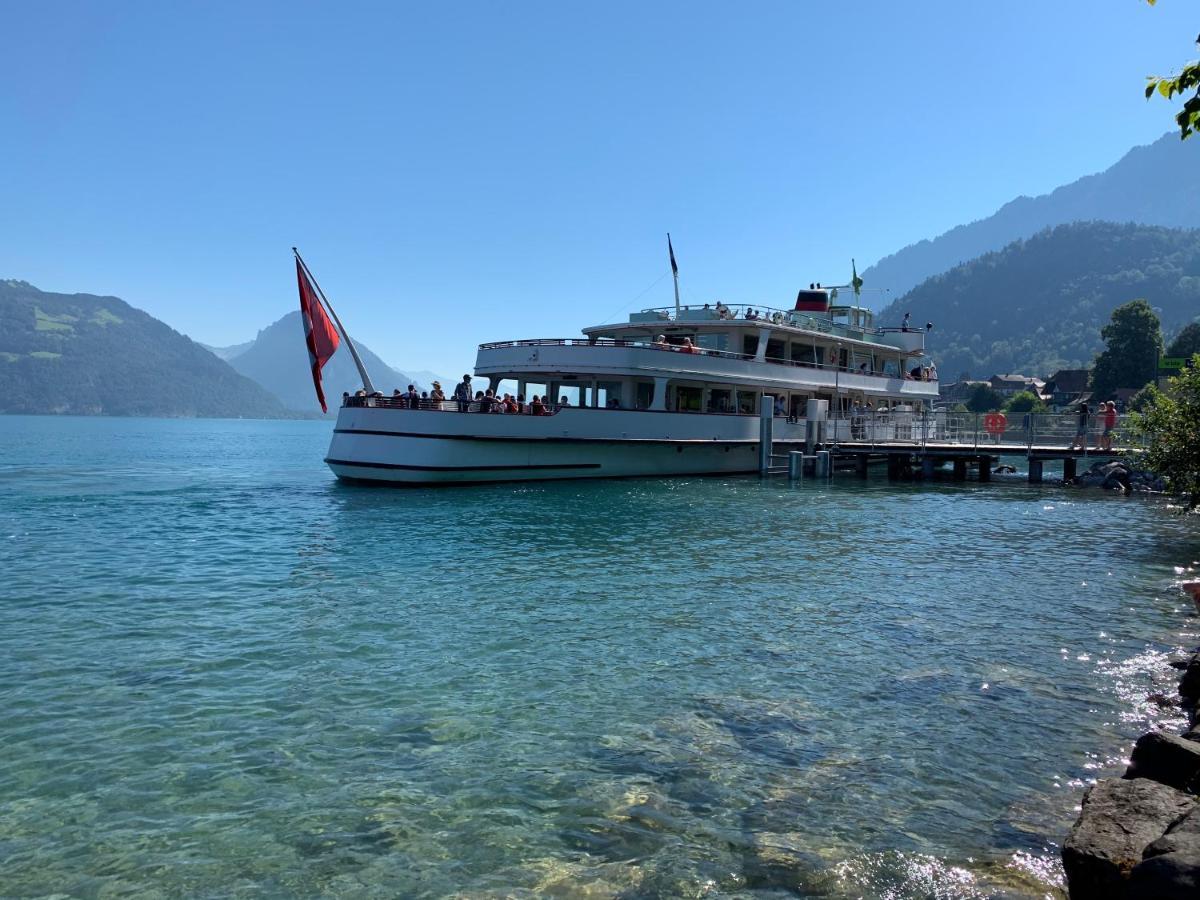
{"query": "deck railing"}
{"type": "Point", "coordinates": [860, 369]}
{"type": "Point", "coordinates": [766, 315]}
{"type": "Point", "coordinates": [875, 428]}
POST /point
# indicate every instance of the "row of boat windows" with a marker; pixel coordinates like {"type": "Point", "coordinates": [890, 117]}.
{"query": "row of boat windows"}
{"type": "Point", "coordinates": [797, 352]}
{"type": "Point", "coordinates": [680, 397]}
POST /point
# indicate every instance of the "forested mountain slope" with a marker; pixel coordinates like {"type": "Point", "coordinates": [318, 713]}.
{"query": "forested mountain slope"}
{"type": "Point", "coordinates": [85, 355]}
{"type": "Point", "coordinates": [1038, 304]}
{"type": "Point", "coordinates": [1152, 185]}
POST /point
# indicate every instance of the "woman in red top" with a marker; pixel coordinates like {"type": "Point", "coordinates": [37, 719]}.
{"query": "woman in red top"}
{"type": "Point", "coordinates": [1110, 422]}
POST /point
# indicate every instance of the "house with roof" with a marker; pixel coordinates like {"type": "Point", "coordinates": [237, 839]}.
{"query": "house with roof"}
{"type": "Point", "coordinates": [1067, 386]}
{"type": "Point", "coordinates": [1008, 385]}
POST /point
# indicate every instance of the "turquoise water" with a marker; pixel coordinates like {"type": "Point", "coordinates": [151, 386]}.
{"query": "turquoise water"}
{"type": "Point", "coordinates": [222, 673]}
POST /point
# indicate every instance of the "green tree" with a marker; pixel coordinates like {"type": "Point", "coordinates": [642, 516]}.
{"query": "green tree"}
{"type": "Point", "coordinates": [1188, 118]}
{"type": "Point", "coordinates": [983, 399]}
{"type": "Point", "coordinates": [1171, 422]}
{"type": "Point", "coordinates": [1133, 344]}
{"type": "Point", "coordinates": [1187, 342]}
{"type": "Point", "coordinates": [1025, 402]}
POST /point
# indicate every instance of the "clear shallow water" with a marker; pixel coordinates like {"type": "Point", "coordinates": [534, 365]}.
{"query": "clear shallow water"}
{"type": "Point", "coordinates": [222, 673]}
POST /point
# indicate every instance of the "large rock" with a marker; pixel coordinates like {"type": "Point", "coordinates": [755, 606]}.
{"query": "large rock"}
{"type": "Point", "coordinates": [1189, 685]}
{"type": "Point", "coordinates": [1169, 759]}
{"type": "Point", "coordinates": [1120, 818]}
{"type": "Point", "coordinates": [1170, 866]}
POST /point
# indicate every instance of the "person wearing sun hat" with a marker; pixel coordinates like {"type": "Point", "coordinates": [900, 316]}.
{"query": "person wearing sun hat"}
{"type": "Point", "coordinates": [437, 395]}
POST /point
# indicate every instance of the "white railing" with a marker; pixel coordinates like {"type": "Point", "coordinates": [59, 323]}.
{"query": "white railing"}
{"type": "Point", "coordinates": [1007, 432]}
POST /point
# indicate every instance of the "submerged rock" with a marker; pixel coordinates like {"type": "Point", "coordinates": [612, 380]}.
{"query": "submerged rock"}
{"type": "Point", "coordinates": [1120, 818]}
{"type": "Point", "coordinates": [1168, 759]}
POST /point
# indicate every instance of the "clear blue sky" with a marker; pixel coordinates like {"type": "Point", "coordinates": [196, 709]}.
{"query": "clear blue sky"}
{"type": "Point", "coordinates": [462, 172]}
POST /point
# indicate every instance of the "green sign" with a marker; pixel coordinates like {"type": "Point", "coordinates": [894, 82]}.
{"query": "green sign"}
{"type": "Point", "coordinates": [1172, 362]}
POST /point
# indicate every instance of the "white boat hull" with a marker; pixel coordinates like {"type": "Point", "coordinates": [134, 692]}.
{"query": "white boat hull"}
{"type": "Point", "coordinates": [431, 447]}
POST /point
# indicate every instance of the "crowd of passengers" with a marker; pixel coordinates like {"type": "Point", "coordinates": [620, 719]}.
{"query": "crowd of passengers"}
{"type": "Point", "coordinates": [483, 401]}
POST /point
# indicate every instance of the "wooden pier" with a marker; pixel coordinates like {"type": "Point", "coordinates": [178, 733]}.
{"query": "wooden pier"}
{"type": "Point", "coordinates": [922, 461]}
{"type": "Point", "coordinates": [918, 447]}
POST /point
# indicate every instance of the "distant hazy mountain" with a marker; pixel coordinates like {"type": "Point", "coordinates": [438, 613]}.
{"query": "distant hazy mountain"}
{"type": "Point", "coordinates": [278, 360]}
{"type": "Point", "coordinates": [80, 354]}
{"type": "Point", "coordinates": [1039, 304]}
{"type": "Point", "coordinates": [1149, 185]}
{"type": "Point", "coordinates": [227, 353]}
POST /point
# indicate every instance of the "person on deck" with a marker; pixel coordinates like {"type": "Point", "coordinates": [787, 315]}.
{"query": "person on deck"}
{"type": "Point", "coordinates": [413, 398]}
{"type": "Point", "coordinates": [688, 347]}
{"type": "Point", "coordinates": [436, 394]}
{"type": "Point", "coordinates": [462, 393]}
{"type": "Point", "coordinates": [537, 407]}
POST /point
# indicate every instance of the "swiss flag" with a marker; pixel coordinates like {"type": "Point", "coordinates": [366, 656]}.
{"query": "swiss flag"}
{"type": "Point", "coordinates": [319, 333]}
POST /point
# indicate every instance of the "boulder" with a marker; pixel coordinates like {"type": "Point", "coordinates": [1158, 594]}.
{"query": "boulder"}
{"type": "Point", "coordinates": [1189, 684]}
{"type": "Point", "coordinates": [1168, 759]}
{"type": "Point", "coordinates": [1120, 818]}
{"type": "Point", "coordinates": [1170, 866]}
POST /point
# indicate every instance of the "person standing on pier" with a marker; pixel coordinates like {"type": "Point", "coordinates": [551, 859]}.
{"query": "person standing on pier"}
{"type": "Point", "coordinates": [1081, 428]}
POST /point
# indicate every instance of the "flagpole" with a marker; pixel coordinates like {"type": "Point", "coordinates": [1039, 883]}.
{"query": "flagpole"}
{"type": "Point", "coordinates": [675, 274]}
{"type": "Point", "coordinates": [362, 370]}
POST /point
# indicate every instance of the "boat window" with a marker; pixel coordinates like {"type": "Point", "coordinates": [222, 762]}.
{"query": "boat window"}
{"type": "Point", "coordinates": [712, 341]}
{"type": "Point", "coordinates": [687, 399]}
{"type": "Point", "coordinates": [776, 349]}
{"type": "Point", "coordinates": [645, 395]}
{"type": "Point", "coordinates": [720, 400]}
{"type": "Point", "coordinates": [749, 345]}
{"type": "Point", "coordinates": [746, 401]}
{"type": "Point", "coordinates": [803, 353]}
{"type": "Point", "coordinates": [610, 394]}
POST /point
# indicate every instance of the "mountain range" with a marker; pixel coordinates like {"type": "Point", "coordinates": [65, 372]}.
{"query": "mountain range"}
{"type": "Point", "coordinates": [1024, 290]}
{"type": "Point", "coordinates": [79, 354]}
{"type": "Point", "coordinates": [277, 359]}
{"type": "Point", "coordinates": [1148, 185]}
{"type": "Point", "coordinates": [1038, 304]}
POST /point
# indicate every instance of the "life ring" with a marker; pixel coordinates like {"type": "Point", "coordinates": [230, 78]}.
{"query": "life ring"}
{"type": "Point", "coordinates": [994, 423]}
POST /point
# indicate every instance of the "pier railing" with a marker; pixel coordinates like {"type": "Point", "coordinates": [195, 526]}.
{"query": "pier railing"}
{"type": "Point", "coordinates": [983, 431]}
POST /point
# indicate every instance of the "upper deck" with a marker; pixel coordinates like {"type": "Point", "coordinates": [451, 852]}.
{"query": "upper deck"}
{"type": "Point", "coordinates": [849, 325]}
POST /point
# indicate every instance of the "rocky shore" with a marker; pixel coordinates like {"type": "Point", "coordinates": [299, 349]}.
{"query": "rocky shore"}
{"type": "Point", "coordinates": [1139, 835]}
{"type": "Point", "coordinates": [1114, 474]}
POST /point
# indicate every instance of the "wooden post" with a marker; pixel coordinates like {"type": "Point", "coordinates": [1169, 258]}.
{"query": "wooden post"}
{"type": "Point", "coordinates": [861, 464]}
{"type": "Point", "coordinates": [960, 469]}
{"type": "Point", "coordinates": [1069, 468]}
{"type": "Point", "coordinates": [985, 468]}
{"type": "Point", "coordinates": [1035, 471]}
{"type": "Point", "coordinates": [927, 467]}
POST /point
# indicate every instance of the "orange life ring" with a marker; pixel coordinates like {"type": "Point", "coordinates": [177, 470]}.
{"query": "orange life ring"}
{"type": "Point", "coordinates": [995, 423]}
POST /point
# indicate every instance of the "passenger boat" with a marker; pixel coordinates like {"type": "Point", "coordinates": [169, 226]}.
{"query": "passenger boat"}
{"type": "Point", "coordinates": [670, 391]}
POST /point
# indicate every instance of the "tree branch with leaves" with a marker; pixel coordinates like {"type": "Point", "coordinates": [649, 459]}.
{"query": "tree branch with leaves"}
{"type": "Point", "coordinates": [1188, 79]}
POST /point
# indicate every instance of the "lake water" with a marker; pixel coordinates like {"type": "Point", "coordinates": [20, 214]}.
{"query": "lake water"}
{"type": "Point", "coordinates": [222, 673]}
